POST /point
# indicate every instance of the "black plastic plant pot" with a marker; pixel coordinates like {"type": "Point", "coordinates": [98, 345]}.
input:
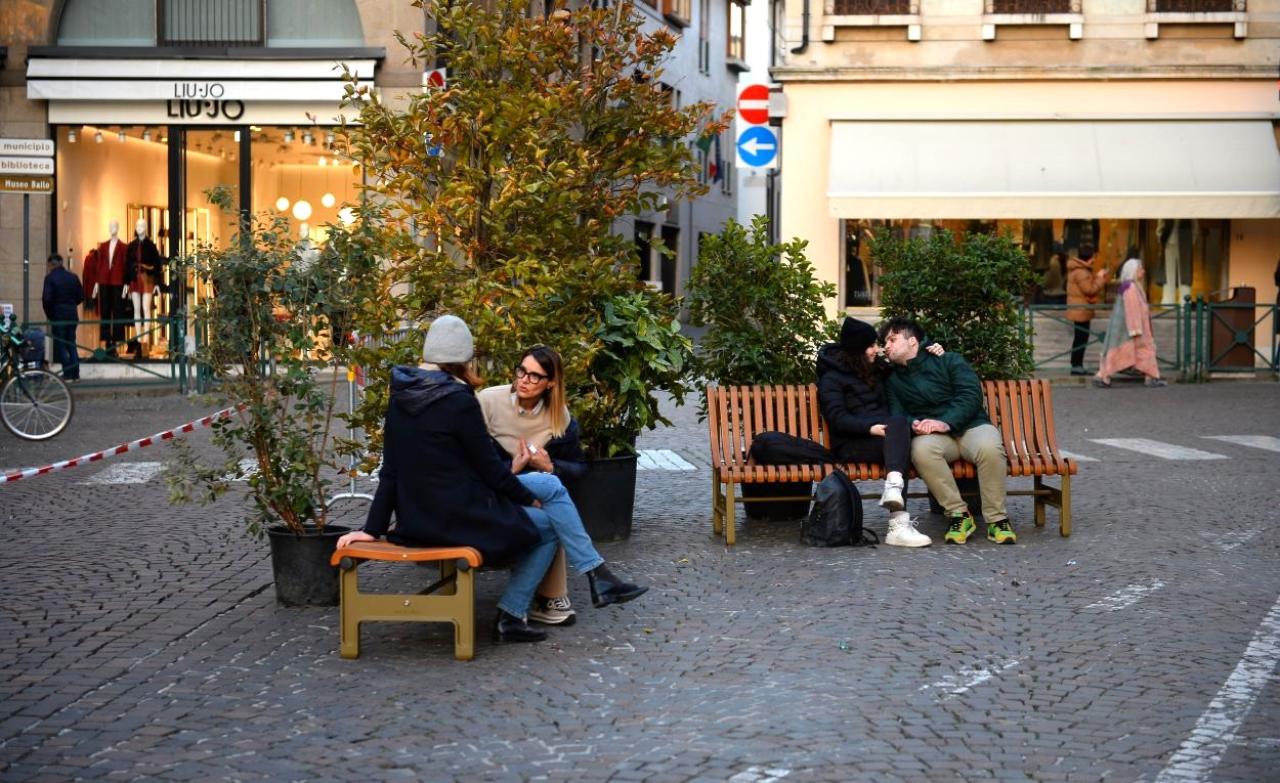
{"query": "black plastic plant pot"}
{"type": "Point", "coordinates": [300, 565]}
{"type": "Point", "coordinates": [606, 497]}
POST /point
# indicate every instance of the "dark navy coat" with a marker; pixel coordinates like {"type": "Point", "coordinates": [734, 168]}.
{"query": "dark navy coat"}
{"type": "Point", "coordinates": [440, 477]}
{"type": "Point", "coordinates": [62, 293]}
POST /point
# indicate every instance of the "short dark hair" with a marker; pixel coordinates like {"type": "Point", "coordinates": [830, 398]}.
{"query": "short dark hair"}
{"type": "Point", "coordinates": [55, 259]}
{"type": "Point", "coordinates": [901, 324]}
{"type": "Point", "coordinates": [1086, 252]}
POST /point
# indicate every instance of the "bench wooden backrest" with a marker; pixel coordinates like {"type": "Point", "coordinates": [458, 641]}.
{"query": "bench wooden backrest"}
{"type": "Point", "coordinates": [1022, 410]}
{"type": "Point", "coordinates": [738, 413]}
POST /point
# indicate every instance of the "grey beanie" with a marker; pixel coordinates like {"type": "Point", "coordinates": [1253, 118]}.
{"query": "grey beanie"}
{"type": "Point", "coordinates": [448, 341]}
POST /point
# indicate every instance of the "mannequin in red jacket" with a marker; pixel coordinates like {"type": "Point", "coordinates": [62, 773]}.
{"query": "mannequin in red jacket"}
{"type": "Point", "coordinates": [109, 289]}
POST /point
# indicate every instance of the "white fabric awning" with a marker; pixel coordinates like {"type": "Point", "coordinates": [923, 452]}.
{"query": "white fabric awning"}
{"type": "Point", "coordinates": [1054, 169]}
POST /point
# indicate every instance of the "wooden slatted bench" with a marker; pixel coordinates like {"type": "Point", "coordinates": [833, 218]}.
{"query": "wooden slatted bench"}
{"type": "Point", "coordinates": [1022, 410]}
{"type": "Point", "coordinates": [451, 599]}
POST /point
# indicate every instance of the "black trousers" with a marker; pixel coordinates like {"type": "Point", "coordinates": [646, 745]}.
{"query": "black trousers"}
{"type": "Point", "coordinates": [111, 306]}
{"type": "Point", "coordinates": [893, 450]}
{"type": "Point", "coordinates": [1079, 341]}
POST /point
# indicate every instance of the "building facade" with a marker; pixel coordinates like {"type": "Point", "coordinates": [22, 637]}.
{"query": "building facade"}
{"type": "Point", "coordinates": [1117, 123]}
{"type": "Point", "coordinates": [151, 102]}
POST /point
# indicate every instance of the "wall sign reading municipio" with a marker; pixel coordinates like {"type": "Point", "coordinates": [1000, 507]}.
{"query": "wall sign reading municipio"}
{"type": "Point", "coordinates": [37, 148]}
{"type": "Point", "coordinates": [35, 185]}
{"type": "Point", "coordinates": [29, 166]}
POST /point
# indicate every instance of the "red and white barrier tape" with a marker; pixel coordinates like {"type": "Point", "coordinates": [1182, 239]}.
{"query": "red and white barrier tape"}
{"type": "Point", "coordinates": [121, 449]}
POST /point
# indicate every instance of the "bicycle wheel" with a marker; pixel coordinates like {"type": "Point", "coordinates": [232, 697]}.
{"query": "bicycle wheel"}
{"type": "Point", "coordinates": [35, 404]}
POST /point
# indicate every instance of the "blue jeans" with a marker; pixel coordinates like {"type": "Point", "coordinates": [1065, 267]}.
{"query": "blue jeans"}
{"type": "Point", "coordinates": [558, 525]}
{"type": "Point", "coordinates": [64, 349]}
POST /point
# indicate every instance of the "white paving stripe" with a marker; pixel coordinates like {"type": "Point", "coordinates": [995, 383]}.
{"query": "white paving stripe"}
{"type": "Point", "coordinates": [1155, 448]}
{"type": "Point", "coordinates": [1215, 732]}
{"type": "Point", "coordinates": [126, 473]}
{"type": "Point", "coordinates": [662, 459]}
{"type": "Point", "coordinates": [1076, 457]}
{"type": "Point", "coordinates": [1268, 442]}
{"type": "Point", "coordinates": [966, 679]}
{"type": "Point", "coordinates": [760, 775]}
{"type": "Point", "coordinates": [1125, 597]}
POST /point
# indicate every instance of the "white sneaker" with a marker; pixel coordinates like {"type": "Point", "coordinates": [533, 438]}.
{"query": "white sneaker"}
{"type": "Point", "coordinates": [891, 498]}
{"type": "Point", "coordinates": [552, 611]}
{"type": "Point", "coordinates": [902, 532]}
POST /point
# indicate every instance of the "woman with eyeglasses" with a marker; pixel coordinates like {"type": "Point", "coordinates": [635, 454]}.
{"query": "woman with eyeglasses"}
{"type": "Point", "coordinates": [445, 486]}
{"type": "Point", "coordinates": [530, 423]}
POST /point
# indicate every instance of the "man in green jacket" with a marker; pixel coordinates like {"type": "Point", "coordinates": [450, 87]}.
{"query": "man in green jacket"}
{"type": "Point", "coordinates": [943, 398]}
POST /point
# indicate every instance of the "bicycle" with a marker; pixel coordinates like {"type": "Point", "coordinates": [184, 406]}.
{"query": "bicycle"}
{"type": "Point", "coordinates": [35, 404]}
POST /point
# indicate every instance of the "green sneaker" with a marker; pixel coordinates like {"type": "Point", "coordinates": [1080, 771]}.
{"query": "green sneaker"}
{"type": "Point", "coordinates": [1001, 532]}
{"type": "Point", "coordinates": [962, 526]}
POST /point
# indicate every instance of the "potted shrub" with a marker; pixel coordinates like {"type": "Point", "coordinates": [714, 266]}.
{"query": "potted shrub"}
{"type": "Point", "coordinates": [509, 222]}
{"type": "Point", "coordinates": [267, 342]}
{"type": "Point", "coordinates": [763, 310]}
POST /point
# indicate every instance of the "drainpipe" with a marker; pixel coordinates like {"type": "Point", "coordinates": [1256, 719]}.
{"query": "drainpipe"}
{"type": "Point", "coordinates": [804, 41]}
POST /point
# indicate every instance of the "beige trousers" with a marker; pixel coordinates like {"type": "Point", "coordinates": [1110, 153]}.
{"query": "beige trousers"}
{"type": "Point", "coordinates": [982, 445]}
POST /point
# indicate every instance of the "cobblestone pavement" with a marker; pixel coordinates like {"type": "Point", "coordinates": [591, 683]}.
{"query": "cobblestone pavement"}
{"type": "Point", "coordinates": [143, 641]}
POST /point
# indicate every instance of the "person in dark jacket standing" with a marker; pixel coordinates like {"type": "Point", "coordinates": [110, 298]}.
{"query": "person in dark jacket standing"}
{"type": "Point", "coordinates": [851, 391]}
{"type": "Point", "coordinates": [446, 486]}
{"type": "Point", "coordinates": [943, 398]}
{"type": "Point", "coordinates": [61, 299]}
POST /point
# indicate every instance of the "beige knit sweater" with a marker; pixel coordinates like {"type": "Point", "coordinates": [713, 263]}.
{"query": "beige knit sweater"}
{"type": "Point", "coordinates": [505, 421]}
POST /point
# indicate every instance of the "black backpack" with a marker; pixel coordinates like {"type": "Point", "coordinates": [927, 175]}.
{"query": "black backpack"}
{"type": "Point", "coordinates": [836, 518]}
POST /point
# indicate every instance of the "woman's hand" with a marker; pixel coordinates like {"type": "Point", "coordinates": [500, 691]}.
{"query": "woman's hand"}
{"type": "Point", "coordinates": [877, 430]}
{"type": "Point", "coordinates": [935, 349]}
{"type": "Point", "coordinates": [539, 459]}
{"type": "Point", "coordinates": [354, 537]}
{"type": "Point", "coordinates": [521, 458]}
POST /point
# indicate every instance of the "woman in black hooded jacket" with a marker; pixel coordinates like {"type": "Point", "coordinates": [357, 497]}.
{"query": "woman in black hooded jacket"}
{"type": "Point", "coordinates": [851, 393]}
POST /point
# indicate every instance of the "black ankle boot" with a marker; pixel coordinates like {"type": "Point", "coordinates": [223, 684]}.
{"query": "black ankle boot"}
{"type": "Point", "coordinates": [508, 628]}
{"type": "Point", "coordinates": [606, 588]}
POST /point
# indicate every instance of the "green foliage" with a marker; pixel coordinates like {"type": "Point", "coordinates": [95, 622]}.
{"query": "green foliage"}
{"type": "Point", "coordinates": [266, 338]}
{"type": "Point", "coordinates": [965, 294]}
{"type": "Point", "coordinates": [502, 190]}
{"type": "Point", "coordinates": [762, 307]}
{"type": "Point", "coordinates": [641, 350]}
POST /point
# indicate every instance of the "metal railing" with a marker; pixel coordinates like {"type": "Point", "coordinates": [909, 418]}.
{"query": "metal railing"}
{"type": "Point", "coordinates": [1033, 7]}
{"type": "Point", "coordinates": [871, 7]}
{"type": "Point", "coordinates": [101, 366]}
{"type": "Point", "coordinates": [1194, 340]}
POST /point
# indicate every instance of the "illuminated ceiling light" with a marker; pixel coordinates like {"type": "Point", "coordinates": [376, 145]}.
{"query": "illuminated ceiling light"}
{"type": "Point", "coordinates": [324, 161]}
{"type": "Point", "coordinates": [164, 139]}
{"type": "Point", "coordinates": [146, 134]}
{"type": "Point", "coordinates": [236, 136]}
{"type": "Point", "coordinates": [347, 215]}
{"type": "Point", "coordinates": [98, 137]}
{"type": "Point", "coordinates": [71, 135]}
{"type": "Point", "coordinates": [121, 136]}
{"type": "Point", "coordinates": [301, 209]}
{"type": "Point", "coordinates": [282, 204]}
{"type": "Point", "coordinates": [327, 201]}
{"type": "Point", "coordinates": [288, 136]}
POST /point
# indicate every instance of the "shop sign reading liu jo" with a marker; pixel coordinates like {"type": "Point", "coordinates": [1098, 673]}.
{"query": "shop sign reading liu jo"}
{"type": "Point", "coordinates": [202, 99]}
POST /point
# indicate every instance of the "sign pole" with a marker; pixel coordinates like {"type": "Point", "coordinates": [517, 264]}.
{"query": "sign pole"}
{"type": "Point", "coordinates": [26, 259]}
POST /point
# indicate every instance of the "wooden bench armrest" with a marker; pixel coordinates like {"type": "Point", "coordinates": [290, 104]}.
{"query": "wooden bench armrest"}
{"type": "Point", "coordinates": [385, 550]}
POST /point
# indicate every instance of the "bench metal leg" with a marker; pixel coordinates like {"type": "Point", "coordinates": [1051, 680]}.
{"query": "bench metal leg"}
{"type": "Point", "coordinates": [717, 505]}
{"type": "Point", "coordinates": [1041, 490]}
{"type": "Point", "coordinates": [464, 627]}
{"type": "Point", "coordinates": [1064, 517]}
{"type": "Point", "coordinates": [729, 536]}
{"type": "Point", "coordinates": [348, 615]}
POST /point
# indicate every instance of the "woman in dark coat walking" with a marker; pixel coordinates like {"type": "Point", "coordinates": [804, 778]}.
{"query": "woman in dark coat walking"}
{"type": "Point", "coordinates": [852, 395]}
{"type": "Point", "coordinates": [447, 487]}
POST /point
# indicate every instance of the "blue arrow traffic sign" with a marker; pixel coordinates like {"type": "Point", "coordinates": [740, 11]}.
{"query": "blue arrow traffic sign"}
{"type": "Point", "coordinates": [758, 148]}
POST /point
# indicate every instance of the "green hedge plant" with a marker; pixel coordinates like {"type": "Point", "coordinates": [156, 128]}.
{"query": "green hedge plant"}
{"type": "Point", "coordinates": [966, 292]}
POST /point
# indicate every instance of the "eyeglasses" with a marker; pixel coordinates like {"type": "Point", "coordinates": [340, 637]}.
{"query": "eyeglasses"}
{"type": "Point", "coordinates": [536, 377]}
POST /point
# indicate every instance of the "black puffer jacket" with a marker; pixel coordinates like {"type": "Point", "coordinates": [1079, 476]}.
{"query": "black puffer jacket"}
{"type": "Point", "coordinates": [849, 404]}
{"type": "Point", "coordinates": [441, 477]}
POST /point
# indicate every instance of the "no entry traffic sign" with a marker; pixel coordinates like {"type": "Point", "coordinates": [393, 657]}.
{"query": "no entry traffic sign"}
{"type": "Point", "coordinates": [753, 104]}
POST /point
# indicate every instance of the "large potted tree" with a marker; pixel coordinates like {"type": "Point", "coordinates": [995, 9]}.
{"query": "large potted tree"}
{"type": "Point", "coordinates": [762, 307]}
{"type": "Point", "coordinates": [270, 339]}
{"type": "Point", "coordinates": [510, 179]}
